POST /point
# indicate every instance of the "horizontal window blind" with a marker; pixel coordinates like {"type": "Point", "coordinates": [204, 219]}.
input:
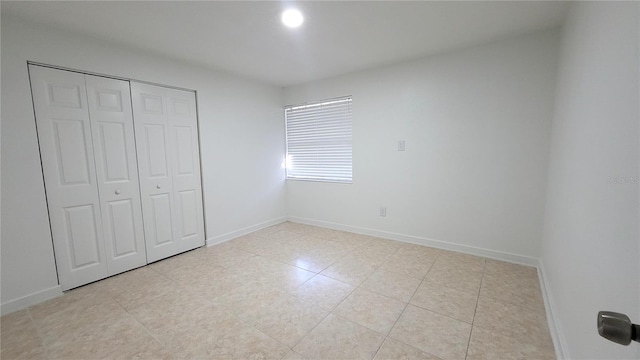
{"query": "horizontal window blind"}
{"type": "Point", "coordinates": [319, 141]}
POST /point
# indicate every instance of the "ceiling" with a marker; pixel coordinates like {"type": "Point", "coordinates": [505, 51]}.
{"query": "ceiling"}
{"type": "Point", "coordinates": [247, 38]}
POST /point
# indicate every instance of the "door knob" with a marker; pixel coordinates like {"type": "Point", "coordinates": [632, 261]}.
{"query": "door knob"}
{"type": "Point", "coordinates": [617, 327]}
{"type": "Point", "coordinates": [158, 186]}
{"type": "Point", "coordinates": [117, 192]}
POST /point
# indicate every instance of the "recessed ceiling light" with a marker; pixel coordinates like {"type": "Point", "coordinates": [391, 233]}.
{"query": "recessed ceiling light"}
{"type": "Point", "coordinates": [292, 18]}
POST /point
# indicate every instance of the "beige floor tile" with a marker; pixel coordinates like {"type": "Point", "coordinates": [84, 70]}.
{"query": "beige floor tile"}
{"type": "Point", "coordinates": [283, 236]}
{"type": "Point", "coordinates": [292, 355]}
{"type": "Point", "coordinates": [455, 277]}
{"type": "Point", "coordinates": [350, 270]}
{"type": "Point", "coordinates": [286, 278]}
{"type": "Point", "coordinates": [356, 241]}
{"type": "Point", "coordinates": [414, 264]}
{"type": "Point", "coordinates": [226, 259]}
{"type": "Point", "coordinates": [388, 246]}
{"type": "Point", "coordinates": [120, 337]}
{"type": "Point", "coordinates": [83, 296]}
{"type": "Point", "coordinates": [289, 319]}
{"type": "Point", "coordinates": [428, 253]}
{"type": "Point", "coordinates": [25, 351]}
{"type": "Point", "coordinates": [136, 293]}
{"type": "Point", "coordinates": [337, 338]}
{"type": "Point", "coordinates": [338, 247]}
{"type": "Point", "coordinates": [211, 288]}
{"type": "Point", "coordinates": [335, 248]}
{"type": "Point", "coordinates": [458, 304]}
{"type": "Point", "coordinates": [170, 314]}
{"type": "Point", "coordinates": [497, 268]}
{"type": "Point", "coordinates": [240, 300]}
{"type": "Point", "coordinates": [372, 255]}
{"type": "Point", "coordinates": [307, 242]}
{"type": "Point", "coordinates": [395, 350]}
{"type": "Point", "coordinates": [55, 326]}
{"type": "Point", "coordinates": [523, 291]}
{"type": "Point", "coordinates": [249, 243]}
{"type": "Point", "coordinates": [374, 311]}
{"type": "Point", "coordinates": [154, 353]}
{"type": "Point", "coordinates": [259, 265]}
{"type": "Point", "coordinates": [284, 254]}
{"type": "Point", "coordinates": [199, 333]}
{"type": "Point", "coordinates": [450, 259]}
{"type": "Point", "coordinates": [315, 261]}
{"type": "Point", "coordinates": [432, 333]}
{"type": "Point", "coordinates": [323, 291]}
{"type": "Point", "coordinates": [249, 343]}
{"type": "Point", "coordinates": [322, 233]}
{"type": "Point", "coordinates": [225, 247]}
{"type": "Point", "coordinates": [183, 274]}
{"type": "Point", "coordinates": [489, 345]}
{"type": "Point", "coordinates": [249, 300]}
{"type": "Point", "coordinates": [19, 338]}
{"type": "Point", "coordinates": [399, 287]}
{"type": "Point", "coordinates": [514, 321]}
{"type": "Point", "coordinates": [186, 259]}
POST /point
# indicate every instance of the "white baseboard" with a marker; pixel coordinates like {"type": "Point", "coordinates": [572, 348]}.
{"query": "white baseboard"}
{"type": "Point", "coordinates": [249, 229]}
{"type": "Point", "coordinates": [439, 244]}
{"type": "Point", "coordinates": [31, 299]}
{"type": "Point", "coordinates": [556, 335]}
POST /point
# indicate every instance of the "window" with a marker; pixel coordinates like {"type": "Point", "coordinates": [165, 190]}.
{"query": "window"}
{"type": "Point", "coordinates": [319, 141]}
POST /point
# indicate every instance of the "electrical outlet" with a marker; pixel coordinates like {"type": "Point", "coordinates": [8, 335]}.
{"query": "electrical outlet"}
{"type": "Point", "coordinates": [383, 211]}
{"type": "Point", "coordinates": [400, 145]}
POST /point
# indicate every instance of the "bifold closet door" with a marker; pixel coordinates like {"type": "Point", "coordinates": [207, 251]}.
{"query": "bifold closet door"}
{"type": "Point", "coordinates": [85, 133]}
{"type": "Point", "coordinates": [117, 172]}
{"type": "Point", "coordinates": [169, 163]}
{"type": "Point", "coordinates": [66, 149]}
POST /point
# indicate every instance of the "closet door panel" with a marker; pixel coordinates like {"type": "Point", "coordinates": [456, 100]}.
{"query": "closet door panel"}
{"type": "Point", "coordinates": [155, 168]}
{"type": "Point", "coordinates": [117, 172]}
{"type": "Point", "coordinates": [124, 230]}
{"type": "Point", "coordinates": [186, 172]}
{"type": "Point", "coordinates": [66, 150]}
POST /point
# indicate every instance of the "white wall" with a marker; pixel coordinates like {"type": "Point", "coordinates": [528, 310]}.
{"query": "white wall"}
{"type": "Point", "coordinates": [476, 124]}
{"type": "Point", "coordinates": [590, 252]}
{"type": "Point", "coordinates": [241, 140]}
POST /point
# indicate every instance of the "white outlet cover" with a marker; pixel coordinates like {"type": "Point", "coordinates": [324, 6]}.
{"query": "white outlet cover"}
{"type": "Point", "coordinates": [400, 145]}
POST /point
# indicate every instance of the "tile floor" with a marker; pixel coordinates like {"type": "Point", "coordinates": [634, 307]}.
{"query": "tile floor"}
{"type": "Point", "coordinates": [294, 291]}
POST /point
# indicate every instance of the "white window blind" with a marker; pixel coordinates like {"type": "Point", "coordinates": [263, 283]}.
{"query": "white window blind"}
{"type": "Point", "coordinates": [319, 141]}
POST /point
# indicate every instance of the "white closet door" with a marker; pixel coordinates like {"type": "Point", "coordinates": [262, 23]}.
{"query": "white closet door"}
{"type": "Point", "coordinates": [156, 183]}
{"type": "Point", "coordinates": [117, 172]}
{"type": "Point", "coordinates": [186, 172]}
{"type": "Point", "coordinates": [169, 163]}
{"type": "Point", "coordinates": [64, 134]}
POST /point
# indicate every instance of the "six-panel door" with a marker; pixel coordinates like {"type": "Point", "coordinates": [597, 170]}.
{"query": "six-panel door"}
{"type": "Point", "coordinates": [169, 161]}
{"type": "Point", "coordinates": [66, 148]}
{"type": "Point", "coordinates": [117, 172]}
{"type": "Point", "coordinates": [156, 184]}
{"type": "Point", "coordinates": [186, 172]}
